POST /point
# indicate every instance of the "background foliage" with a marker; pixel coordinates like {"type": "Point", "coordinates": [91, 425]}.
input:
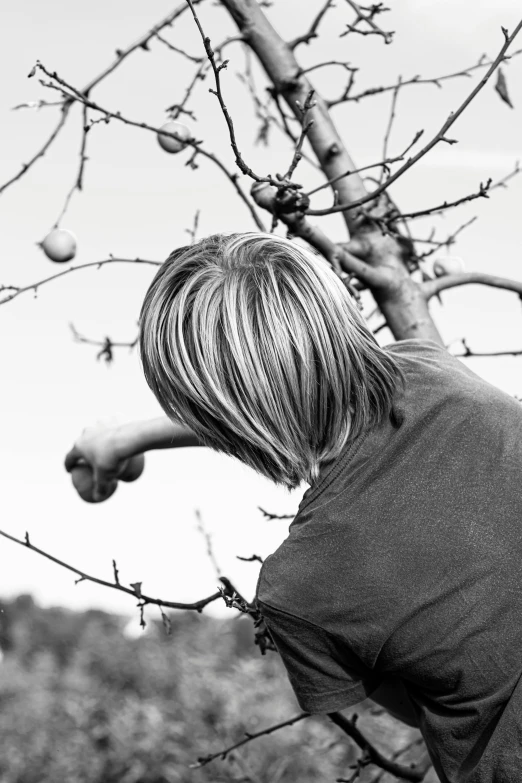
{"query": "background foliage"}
{"type": "Point", "coordinates": [81, 702]}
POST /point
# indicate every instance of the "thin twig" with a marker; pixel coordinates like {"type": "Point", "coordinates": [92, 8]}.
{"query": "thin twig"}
{"type": "Point", "coordinates": [78, 182]}
{"type": "Point", "coordinates": [222, 754]}
{"type": "Point", "coordinates": [141, 43]}
{"type": "Point", "coordinates": [312, 32]}
{"type": "Point", "coordinates": [219, 95]}
{"type": "Point", "coordinates": [41, 152]}
{"type": "Point", "coordinates": [121, 55]}
{"type": "Point", "coordinates": [440, 136]}
{"type": "Point", "coordinates": [367, 14]}
{"type": "Point", "coordinates": [482, 192]}
{"type": "Point", "coordinates": [384, 163]}
{"type": "Point", "coordinates": [269, 515]}
{"type": "Point", "coordinates": [17, 290]}
{"type": "Point", "coordinates": [306, 124]}
{"type": "Point", "coordinates": [208, 542]}
{"type": "Point", "coordinates": [389, 128]}
{"type": "Point", "coordinates": [466, 72]}
{"type": "Point", "coordinates": [106, 346]}
{"type": "Point", "coordinates": [134, 590]}
{"type": "Point", "coordinates": [178, 50]}
{"type": "Point", "coordinates": [194, 230]}
{"type": "Point", "coordinates": [438, 244]}
{"type": "Point", "coordinates": [192, 142]}
{"type": "Point", "coordinates": [468, 353]}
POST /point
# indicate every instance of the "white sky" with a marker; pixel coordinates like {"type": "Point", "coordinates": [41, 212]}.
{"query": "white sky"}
{"type": "Point", "coordinates": [138, 201]}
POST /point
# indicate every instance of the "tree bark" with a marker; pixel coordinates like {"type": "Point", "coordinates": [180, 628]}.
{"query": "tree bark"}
{"type": "Point", "coordinates": [401, 301]}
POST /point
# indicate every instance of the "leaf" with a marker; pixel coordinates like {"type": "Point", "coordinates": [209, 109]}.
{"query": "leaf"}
{"type": "Point", "coordinates": [501, 87]}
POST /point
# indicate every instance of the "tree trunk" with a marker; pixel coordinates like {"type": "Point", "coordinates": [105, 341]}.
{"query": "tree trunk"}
{"type": "Point", "coordinates": [401, 301]}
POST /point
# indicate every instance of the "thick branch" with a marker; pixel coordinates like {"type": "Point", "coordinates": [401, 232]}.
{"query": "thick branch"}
{"type": "Point", "coordinates": [432, 287]}
{"type": "Point", "coordinates": [266, 197]}
{"type": "Point", "coordinates": [283, 70]}
{"type": "Point", "coordinates": [375, 757]}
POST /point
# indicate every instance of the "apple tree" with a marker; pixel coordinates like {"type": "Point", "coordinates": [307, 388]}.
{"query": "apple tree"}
{"type": "Point", "coordinates": [314, 191]}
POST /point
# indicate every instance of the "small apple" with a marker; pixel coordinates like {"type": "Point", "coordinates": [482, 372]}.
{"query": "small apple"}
{"type": "Point", "coordinates": [82, 479]}
{"type": "Point", "coordinates": [451, 265]}
{"type": "Point", "coordinates": [59, 245]}
{"type": "Point", "coordinates": [169, 143]}
{"type": "Point", "coordinates": [133, 468]}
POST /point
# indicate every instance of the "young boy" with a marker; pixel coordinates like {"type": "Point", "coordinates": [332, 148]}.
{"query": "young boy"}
{"type": "Point", "coordinates": [401, 577]}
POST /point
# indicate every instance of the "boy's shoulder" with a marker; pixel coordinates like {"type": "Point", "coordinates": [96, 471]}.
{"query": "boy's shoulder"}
{"type": "Point", "coordinates": [389, 480]}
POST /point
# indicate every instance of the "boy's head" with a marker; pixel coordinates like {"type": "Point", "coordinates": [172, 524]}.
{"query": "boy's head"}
{"type": "Point", "coordinates": [255, 344]}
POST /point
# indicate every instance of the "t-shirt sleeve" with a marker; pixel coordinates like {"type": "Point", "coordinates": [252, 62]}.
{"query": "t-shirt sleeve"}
{"type": "Point", "coordinates": [325, 675]}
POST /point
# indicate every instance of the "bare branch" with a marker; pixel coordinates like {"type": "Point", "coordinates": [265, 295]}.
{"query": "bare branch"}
{"type": "Point", "coordinates": [375, 757]}
{"type": "Point", "coordinates": [482, 192]}
{"type": "Point", "coordinates": [384, 163]}
{"type": "Point", "coordinates": [251, 559]}
{"type": "Point", "coordinates": [367, 14]}
{"type": "Point", "coordinates": [208, 543]}
{"type": "Point", "coordinates": [17, 290]}
{"type": "Point", "coordinates": [194, 230]}
{"type": "Point", "coordinates": [222, 754]}
{"type": "Point", "coordinates": [469, 353]}
{"type": "Point", "coordinates": [106, 346]}
{"type": "Point", "coordinates": [196, 145]}
{"type": "Point", "coordinates": [78, 182]}
{"type": "Point", "coordinates": [219, 95]}
{"type": "Point", "coordinates": [312, 32]}
{"type": "Point", "coordinates": [398, 753]}
{"type": "Point", "coordinates": [269, 515]}
{"type": "Point", "coordinates": [134, 590]}
{"type": "Point", "coordinates": [176, 109]}
{"type": "Point", "coordinates": [306, 125]}
{"type": "Point", "coordinates": [465, 72]}
{"type": "Point", "coordinates": [340, 259]}
{"type": "Point", "coordinates": [438, 244]}
{"type": "Point", "coordinates": [327, 63]}
{"type": "Point", "coordinates": [200, 74]}
{"type": "Point", "coordinates": [141, 43]}
{"type": "Point", "coordinates": [121, 55]}
{"type": "Point", "coordinates": [389, 127]}
{"type": "Point", "coordinates": [177, 50]}
{"type": "Point", "coordinates": [41, 152]}
{"type": "Point", "coordinates": [430, 288]}
{"type": "Point", "coordinates": [440, 136]}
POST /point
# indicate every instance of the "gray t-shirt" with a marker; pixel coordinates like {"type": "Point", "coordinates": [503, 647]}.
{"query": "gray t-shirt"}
{"type": "Point", "coordinates": [405, 560]}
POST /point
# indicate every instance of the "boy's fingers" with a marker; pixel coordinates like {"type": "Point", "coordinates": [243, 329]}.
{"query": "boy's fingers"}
{"type": "Point", "coordinates": [103, 486]}
{"type": "Point", "coordinates": [72, 458]}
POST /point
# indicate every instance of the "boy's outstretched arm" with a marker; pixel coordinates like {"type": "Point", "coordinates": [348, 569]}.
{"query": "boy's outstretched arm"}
{"type": "Point", "coordinates": [107, 449]}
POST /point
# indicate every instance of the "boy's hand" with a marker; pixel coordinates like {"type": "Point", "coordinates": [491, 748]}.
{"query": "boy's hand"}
{"type": "Point", "coordinates": [97, 462]}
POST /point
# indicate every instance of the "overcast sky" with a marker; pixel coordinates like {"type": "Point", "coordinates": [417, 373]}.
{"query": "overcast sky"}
{"type": "Point", "coordinates": [139, 201]}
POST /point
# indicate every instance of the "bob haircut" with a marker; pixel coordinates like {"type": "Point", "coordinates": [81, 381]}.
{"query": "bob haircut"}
{"type": "Point", "coordinates": [255, 343]}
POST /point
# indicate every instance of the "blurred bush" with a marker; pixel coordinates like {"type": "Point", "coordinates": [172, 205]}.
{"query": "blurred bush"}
{"type": "Point", "coordinates": [80, 702]}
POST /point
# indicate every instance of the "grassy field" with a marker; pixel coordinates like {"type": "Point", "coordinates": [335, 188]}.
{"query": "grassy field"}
{"type": "Point", "coordinates": [82, 703]}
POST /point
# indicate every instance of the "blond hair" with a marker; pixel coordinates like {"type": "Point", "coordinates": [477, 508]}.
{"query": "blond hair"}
{"type": "Point", "coordinates": [255, 344]}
